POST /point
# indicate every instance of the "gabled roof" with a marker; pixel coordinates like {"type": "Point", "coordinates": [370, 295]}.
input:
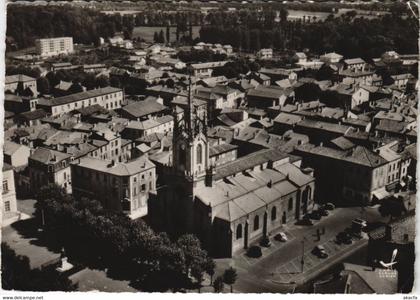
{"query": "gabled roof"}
{"type": "Point", "coordinates": [33, 115]}
{"type": "Point", "coordinates": [9, 148]}
{"type": "Point", "coordinates": [143, 108]}
{"type": "Point", "coordinates": [48, 156]}
{"type": "Point", "coordinates": [79, 96]}
{"type": "Point", "coordinates": [352, 61]}
{"type": "Point", "coordinates": [119, 169]}
{"type": "Point", "coordinates": [17, 78]}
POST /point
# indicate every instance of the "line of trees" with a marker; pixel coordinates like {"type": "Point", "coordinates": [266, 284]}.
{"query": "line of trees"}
{"type": "Point", "coordinates": [84, 25]}
{"type": "Point", "coordinates": [129, 249]}
{"type": "Point", "coordinates": [349, 35]}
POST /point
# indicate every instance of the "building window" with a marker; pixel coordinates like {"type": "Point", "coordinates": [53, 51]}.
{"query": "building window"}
{"type": "Point", "coordinates": [143, 187]}
{"type": "Point", "coordinates": [273, 213]}
{"type": "Point", "coordinates": [256, 222]}
{"type": "Point", "coordinates": [290, 207]}
{"type": "Point", "coordinates": [5, 186]}
{"type": "Point", "coordinates": [199, 154]}
{"type": "Point", "coordinates": [7, 206]}
{"type": "Point", "coordinates": [239, 231]}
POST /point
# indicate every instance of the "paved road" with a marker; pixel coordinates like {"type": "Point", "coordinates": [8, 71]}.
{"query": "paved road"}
{"type": "Point", "coordinates": [257, 275]}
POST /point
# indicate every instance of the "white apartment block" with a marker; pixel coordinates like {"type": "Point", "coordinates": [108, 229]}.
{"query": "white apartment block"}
{"type": "Point", "coordinates": [54, 46]}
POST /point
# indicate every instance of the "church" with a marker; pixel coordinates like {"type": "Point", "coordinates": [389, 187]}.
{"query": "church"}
{"type": "Point", "coordinates": [229, 206]}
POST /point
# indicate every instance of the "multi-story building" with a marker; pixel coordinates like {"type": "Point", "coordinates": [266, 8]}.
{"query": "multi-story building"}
{"type": "Point", "coordinates": [107, 97]}
{"type": "Point", "coordinates": [265, 53]}
{"type": "Point", "coordinates": [49, 166]}
{"type": "Point", "coordinates": [110, 146]}
{"type": "Point", "coordinates": [118, 186]}
{"type": "Point", "coordinates": [8, 202]}
{"type": "Point", "coordinates": [137, 129]}
{"type": "Point", "coordinates": [206, 69]}
{"type": "Point", "coordinates": [54, 46]}
{"type": "Point", "coordinates": [354, 176]}
{"type": "Point", "coordinates": [20, 82]}
{"type": "Point", "coordinates": [15, 154]}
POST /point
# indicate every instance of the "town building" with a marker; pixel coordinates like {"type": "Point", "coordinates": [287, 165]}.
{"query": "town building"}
{"type": "Point", "coordinates": [265, 53]}
{"type": "Point", "coordinates": [108, 97]}
{"type": "Point", "coordinates": [206, 69]}
{"type": "Point", "coordinates": [121, 187]}
{"type": "Point", "coordinates": [54, 46]}
{"type": "Point", "coordinates": [356, 176]}
{"type": "Point", "coordinates": [18, 83]}
{"type": "Point", "coordinates": [48, 166]}
{"type": "Point", "coordinates": [268, 96]}
{"type": "Point", "coordinates": [8, 195]}
{"type": "Point", "coordinates": [15, 154]}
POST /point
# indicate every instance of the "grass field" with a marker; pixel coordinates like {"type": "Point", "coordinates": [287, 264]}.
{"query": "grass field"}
{"type": "Point", "coordinates": [147, 33]}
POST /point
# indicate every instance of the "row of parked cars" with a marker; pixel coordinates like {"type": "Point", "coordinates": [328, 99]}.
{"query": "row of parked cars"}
{"type": "Point", "coordinates": [255, 251]}
{"type": "Point", "coordinates": [316, 214]}
{"type": "Point", "coordinates": [344, 237]}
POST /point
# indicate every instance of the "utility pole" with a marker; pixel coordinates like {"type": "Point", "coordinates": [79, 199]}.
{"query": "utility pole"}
{"type": "Point", "coordinates": [302, 261]}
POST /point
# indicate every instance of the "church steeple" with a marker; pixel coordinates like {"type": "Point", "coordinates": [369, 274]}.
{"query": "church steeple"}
{"type": "Point", "coordinates": [190, 147]}
{"type": "Point", "coordinates": [189, 118]}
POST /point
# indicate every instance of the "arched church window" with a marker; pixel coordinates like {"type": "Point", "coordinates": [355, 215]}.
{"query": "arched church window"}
{"type": "Point", "coordinates": [273, 213]}
{"type": "Point", "coordinates": [256, 222]}
{"type": "Point", "coordinates": [199, 154]}
{"type": "Point", "coordinates": [239, 231]}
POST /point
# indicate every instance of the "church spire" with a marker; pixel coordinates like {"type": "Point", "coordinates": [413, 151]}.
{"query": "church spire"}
{"type": "Point", "coordinates": [190, 110]}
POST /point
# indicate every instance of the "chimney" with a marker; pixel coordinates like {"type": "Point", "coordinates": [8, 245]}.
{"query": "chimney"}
{"type": "Point", "coordinates": [270, 184]}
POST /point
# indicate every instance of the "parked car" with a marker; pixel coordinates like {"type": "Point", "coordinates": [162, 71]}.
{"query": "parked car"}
{"type": "Point", "coordinates": [254, 251]}
{"type": "Point", "coordinates": [329, 206]}
{"type": "Point", "coordinates": [343, 238]}
{"type": "Point", "coordinates": [265, 242]}
{"type": "Point", "coordinates": [353, 232]}
{"type": "Point", "coordinates": [315, 215]}
{"type": "Point", "coordinates": [281, 237]}
{"type": "Point", "coordinates": [319, 251]}
{"type": "Point", "coordinates": [358, 224]}
{"type": "Point", "coordinates": [306, 220]}
{"type": "Point", "coordinates": [323, 212]}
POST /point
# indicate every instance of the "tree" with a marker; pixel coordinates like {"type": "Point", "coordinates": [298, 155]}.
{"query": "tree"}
{"type": "Point", "coordinates": [197, 273]}
{"type": "Point", "coordinates": [229, 277]}
{"type": "Point", "coordinates": [161, 37]}
{"type": "Point", "coordinates": [209, 268]}
{"type": "Point", "coordinates": [392, 208]}
{"type": "Point", "coordinates": [43, 85]}
{"type": "Point", "coordinates": [170, 83]}
{"type": "Point", "coordinates": [195, 256]}
{"type": "Point", "coordinates": [168, 34]}
{"type": "Point", "coordinates": [218, 284]}
{"type": "Point", "coordinates": [102, 81]}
